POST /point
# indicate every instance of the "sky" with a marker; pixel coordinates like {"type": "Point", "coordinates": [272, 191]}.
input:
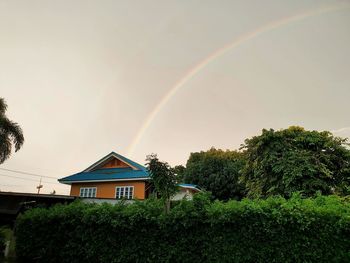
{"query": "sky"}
{"type": "Point", "coordinates": [84, 78]}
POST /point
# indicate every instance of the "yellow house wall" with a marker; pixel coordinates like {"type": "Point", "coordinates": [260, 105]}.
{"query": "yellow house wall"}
{"type": "Point", "coordinates": [107, 189]}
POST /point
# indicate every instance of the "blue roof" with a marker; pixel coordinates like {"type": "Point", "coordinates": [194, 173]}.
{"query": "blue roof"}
{"type": "Point", "coordinates": [107, 174]}
{"type": "Point", "coordinates": [94, 173]}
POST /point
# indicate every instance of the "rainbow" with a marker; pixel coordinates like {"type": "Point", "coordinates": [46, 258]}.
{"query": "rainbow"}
{"type": "Point", "coordinates": [216, 54]}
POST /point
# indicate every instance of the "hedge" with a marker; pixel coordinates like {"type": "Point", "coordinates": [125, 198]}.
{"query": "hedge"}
{"type": "Point", "coordinates": [2, 242]}
{"type": "Point", "coordinates": [271, 230]}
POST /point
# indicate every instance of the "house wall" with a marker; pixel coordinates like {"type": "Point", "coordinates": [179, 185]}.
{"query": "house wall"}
{"type": "Point", "coordinates": [184, 193]}
{"type": "Point", "coordinates": [107, 189]}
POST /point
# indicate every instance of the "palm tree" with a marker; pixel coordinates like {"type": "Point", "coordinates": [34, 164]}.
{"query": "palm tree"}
{"type": "Point", "coordinates": [10, 134]}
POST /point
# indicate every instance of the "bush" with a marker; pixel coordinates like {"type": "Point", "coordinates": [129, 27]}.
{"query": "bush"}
{"type": "Point", "coordinates": [271, 230]}
{"type": "Point", "coordinates": [2, 242]}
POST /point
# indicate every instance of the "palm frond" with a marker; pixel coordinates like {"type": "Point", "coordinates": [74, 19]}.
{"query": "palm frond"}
{"type": "Point", "coordinates": [5, 147]}
{"type": "Point", "coordinates": [10, 134]}
{"type": "Point", "coordinates": [3, 106]}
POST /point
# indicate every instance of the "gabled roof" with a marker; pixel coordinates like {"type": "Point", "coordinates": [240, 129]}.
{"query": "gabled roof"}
{"type": "Point", "coordinates": [95, 173]}
{"type": "Point", "coordinates": [132, 164]}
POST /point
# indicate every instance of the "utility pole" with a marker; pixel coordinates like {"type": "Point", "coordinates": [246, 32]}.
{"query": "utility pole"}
{"type": "Point", "coordinates": [39, 186]}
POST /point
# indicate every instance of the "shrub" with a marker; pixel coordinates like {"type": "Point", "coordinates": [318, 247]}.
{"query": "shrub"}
{"type": "Point", "coordinates": [2, 242]}
{"type": "Point", "coordinates": [271, 230]}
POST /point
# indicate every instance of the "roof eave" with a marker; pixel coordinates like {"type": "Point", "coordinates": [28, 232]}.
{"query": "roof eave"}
{"type": "Point", "coordinates": [106, 180]}
{"type": "Point", "coordinates": [190, 187]}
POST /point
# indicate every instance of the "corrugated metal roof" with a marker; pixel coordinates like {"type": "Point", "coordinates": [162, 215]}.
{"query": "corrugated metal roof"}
{"type": "Point", "coordinates": [106, 174]}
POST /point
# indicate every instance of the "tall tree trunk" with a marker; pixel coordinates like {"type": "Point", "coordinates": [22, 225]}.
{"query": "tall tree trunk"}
{"type": "Point", "coordinates": [167, 206]}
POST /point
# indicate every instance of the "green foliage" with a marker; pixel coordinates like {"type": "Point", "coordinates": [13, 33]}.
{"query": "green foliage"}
{"type": "Point", "coordinates": [179, 171]}
{"type": "Point", "coordinates": [163, 178]}
{"type": "Point", "coordinates": [10, 133]}
{"type": "Point", "coordinates": [271, 230]}
{"type": "Point", "coordinates": [2, 240]}
{"type": "Point", "coordinates": [216, 171]}
{"type": "Point", "coordinates": [291, 160]}
{"type": "Point", "coordinates": [6, 235]}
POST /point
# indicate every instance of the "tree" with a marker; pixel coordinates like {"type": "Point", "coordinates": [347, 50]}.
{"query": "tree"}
{"type": "Point", "coordinates": [163, 179]}
{"type": "Point", "coordinates": [216, 171]}
{"type": "Point", "coordinates": [10, 134]}
{"type": "Point", "coordinates": [179, 171]}
{"type": "Point", "coordinates": [285, 161]}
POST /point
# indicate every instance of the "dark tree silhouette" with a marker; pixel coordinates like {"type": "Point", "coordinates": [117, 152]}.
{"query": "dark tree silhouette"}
{"type": "Point", "coordinates": [163, 179]}
{"type": "Point", "coordinates": [10, 134]}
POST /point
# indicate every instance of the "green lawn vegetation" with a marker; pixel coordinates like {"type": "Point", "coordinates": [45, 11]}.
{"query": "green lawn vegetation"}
{"type": "Point", "coordinates": [270, 230]}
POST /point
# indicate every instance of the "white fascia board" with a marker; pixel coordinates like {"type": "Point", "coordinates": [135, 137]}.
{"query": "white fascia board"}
{"type": "Point", "coordinates": [107, 180]}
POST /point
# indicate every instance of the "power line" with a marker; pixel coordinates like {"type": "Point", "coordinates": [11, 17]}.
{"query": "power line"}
{"type": "Point", "coordinates": [21, 172]}
{"type": "Point", "coordinates": [27, 179]}
{"type": "Point", "coordinates": [10, 185]}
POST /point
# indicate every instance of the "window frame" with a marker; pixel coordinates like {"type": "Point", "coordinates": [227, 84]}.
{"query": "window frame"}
{"type": "Point", "coordinates": [122, 192]}
{"type": "Point", "coordinates": [88, 192]}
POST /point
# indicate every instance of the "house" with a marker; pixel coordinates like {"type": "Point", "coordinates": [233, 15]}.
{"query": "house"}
{"type": "Point", "coordinates": [113, 176]}
{"type": "Point", "coordinates": [117, 177]}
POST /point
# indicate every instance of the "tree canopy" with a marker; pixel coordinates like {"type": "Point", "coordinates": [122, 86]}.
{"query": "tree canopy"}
{"type": "Point", "coordinates": [10, 134]}
{"type": "Point", "coordinates": [179, 171]}
{"type": "Point", "coordinates": [216, 171]}
{"type": "Point", "coordinates": [291, 160]}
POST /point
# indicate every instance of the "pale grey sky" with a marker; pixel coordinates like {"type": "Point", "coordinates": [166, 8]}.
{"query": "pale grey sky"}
{"type": "Point", "coordinates": [82, 77]}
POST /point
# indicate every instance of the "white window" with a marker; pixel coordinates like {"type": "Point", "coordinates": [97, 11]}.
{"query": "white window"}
{"type": "Point", "coordinates": [126, 192]}
{"type": "Point", "coordinates": [88, 192]}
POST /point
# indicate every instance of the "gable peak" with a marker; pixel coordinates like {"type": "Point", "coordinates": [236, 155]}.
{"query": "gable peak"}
{"type": "Point", "coordinates": [114, 160]}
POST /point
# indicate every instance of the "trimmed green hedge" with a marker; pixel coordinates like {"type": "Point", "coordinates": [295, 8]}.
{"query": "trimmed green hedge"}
{"type": "Point", "coordinates": [2, 242]}
{"type": "Point", "coordinates": [272, 230]}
